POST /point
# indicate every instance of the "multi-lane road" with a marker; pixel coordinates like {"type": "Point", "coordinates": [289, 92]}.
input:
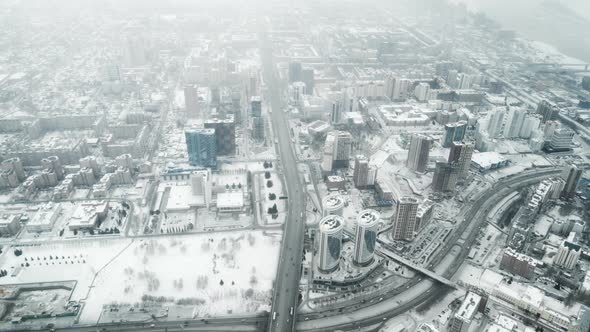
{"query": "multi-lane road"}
{"type": "Point", "coordinates": [286, 287]}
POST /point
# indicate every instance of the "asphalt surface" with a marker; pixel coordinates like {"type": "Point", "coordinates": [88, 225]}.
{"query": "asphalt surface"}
{"type": "Point", "coordinates": [426, 290]}
{"type": "Point", "coordinates": [286, 288]}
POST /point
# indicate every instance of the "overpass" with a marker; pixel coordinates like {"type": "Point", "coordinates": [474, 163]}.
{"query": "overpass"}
{"type": "Point", "coordinates": [430, 274]}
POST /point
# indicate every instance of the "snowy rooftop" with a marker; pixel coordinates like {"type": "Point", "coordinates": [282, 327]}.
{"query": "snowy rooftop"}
{"type": "Point", "coordinates": [468, 307]}
{"type": "Point", "coordinates": [86, 213]}
{"type": "Point", "coordinates": [333, 201]}
{"type": "Point", "coordinates": [230, 200]}
{"type": "Point", "coordinates": [368, 217]}
{"type": "Point", "coordinates": [46, 215]}
{"type": "Point", "coordinates": [487, 159]}
{"type": "Point", "coordinates": [331, 223]}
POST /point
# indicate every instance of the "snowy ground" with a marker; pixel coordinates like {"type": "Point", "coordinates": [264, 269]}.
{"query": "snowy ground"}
{"type": "Point", "coordinates": [184, 267]}
{"type": "Point", "coordinates": [192, 267]}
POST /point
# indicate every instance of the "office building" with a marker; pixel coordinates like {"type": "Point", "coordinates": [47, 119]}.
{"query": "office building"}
{"type": "Point", "coordinates": [364, 173]}
{"type": "Point", "coordinates": [404, 219]}
{"type": "Point", "coordinates": [295, 72]}
{"type": "Point", "coordinates": [201, 185]}
{"type": "Point", "coordinates": [423, 215]}
{"type": "Point", "coordinates": [330, 246]}
{"type": "Point", "coordinates": [418, 152]}
{"type": "Point", "coordinates": [568, 253]}
{"type": "Point", "coordinates": [460, 155]}
{"type": "Point", "coordinates": [225, 135]}
{"type": "Point", "coordinates": [258, 128]}
{"type": "Point", "coordinates": [309, 80]}
{"type": "Point", "coordinates": [560, 139]}
{"type": "Point", "coordinates": [571, 182]}
{"type": "Point", "coordinates": [367, 226]}
{"type": "Point", "coordinates": [191, 101]}
{"type": "Point", "coordinates": [256, 106]}
{"type": "Point", "coordinates": [461, 320]}
{"type": "Point", "coordinates": [332, 205]}
{"type": "Point", "coordinates": [336, 113]}
{"type": "Point", "coordinates": [337, 149]}
{"type": "Point", "coordinates": [548, 111]}
{"type": "Point", "coordinates": [454, 132]}
{"type": "Point", "coordinates": [201, 146]}
{"type": "Point", "coordinates": [445, 177]}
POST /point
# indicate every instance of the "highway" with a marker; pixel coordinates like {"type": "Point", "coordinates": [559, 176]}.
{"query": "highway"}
{"type": "Point", "coordinates": [446, 263]}
{"type": "Point", "coordinates": [286, 287]}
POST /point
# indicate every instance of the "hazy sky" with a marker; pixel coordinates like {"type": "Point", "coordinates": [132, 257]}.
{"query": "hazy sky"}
{"type": "Point", "coordinates": [561, 23]}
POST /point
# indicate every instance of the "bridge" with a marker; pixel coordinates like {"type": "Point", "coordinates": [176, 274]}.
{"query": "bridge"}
{"type": "Point", "coordinates": [430, 274]}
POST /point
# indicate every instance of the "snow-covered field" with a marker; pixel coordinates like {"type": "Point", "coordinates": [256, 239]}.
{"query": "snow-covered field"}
{"type": "Point", "coordinates": [176, 267]}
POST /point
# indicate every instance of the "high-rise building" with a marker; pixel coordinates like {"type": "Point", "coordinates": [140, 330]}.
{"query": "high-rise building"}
{"type": "Point", "coordinates": [337, 149]}
{"type": "Point", "coordinates": [308, 77]}
{"type": "Point", "coordinates": [560, 139]}
{"type": "Point", "coordinates": [215, 95]}
{"type": "Point", "coordinates": [14, 164]}
{"type": "Point", "coordinates": [453, 78]}
{"type": "Point", "coordinates": [336, 113]}
{"type": "Point", "coordinates": [461, 320]}
{"type": "Point", "coordinates": [404, 219]}
{"type": "Point", "coordinates": [514, 122]}
{"type": "Point", "coordinates": [367, 226]}
{"type": "Point", "coordinates": [397, 88]}
{"type": "Point", "coordinates": [258, 128]}
{"type": "Point", "coordinates": [421, 91]}
{"type": "Point", "coordinates": [134, 51]}
{"type": "Point", "coordinates": [454, 132]}
{"type": "Point", "coordinates": [191, 101]}
{"type": "Point", "coordinates": [568, 253]}
{"type": "Point", "coordinates": [423, 215]}
{"type": "Point", "coordinates": [201, 185]}
{"type": "Point", "coordinates": [463, 81]}
{"type": "Point", "coordinates": [418, 152]}
{"type": "Point", "coordinates": [571, 182]}
{"type": "Point", "coordinates": [530, 125]}
{"type": "Point", "coordinates": [201, 146]}
{"type": "Point", "coordinates": [517, 263]}
{"type": "Point", "coordinates": [295, 72]}
{"type": "Point", "coordinates": [547, 110]}
{"type": "Point", "coordinates": [297, 92]}
{"type": "Point", "coordinates": [91, 163]}
{"type": "Point", "coordinates": [331, 227]}
{"type": "Point", "coordinates": [496, 122]}
{"type": "Point", "coordinates": [460, 155]}
{"type": "Point", "coordinates": [225, 135]}
{"type": "Point", "coordinates": [256, 106]}
{"type": "Point", "coordinates": [364, 173]}
{"type": "Point", "coordinates": [445, 177]}
{"type": "Point", "coordinates": [332, 204]}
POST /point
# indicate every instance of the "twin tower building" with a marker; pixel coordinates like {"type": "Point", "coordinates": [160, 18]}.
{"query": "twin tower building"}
{"type": "Point", "coordinates": [331, 227]}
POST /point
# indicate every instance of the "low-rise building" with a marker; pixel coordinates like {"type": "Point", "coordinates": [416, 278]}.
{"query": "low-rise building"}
{"type": "Point", "coordinates": [9, 224]}
{"type": "Point", "coordinates": [88, 215]}
{"type": "Point", "coordinates": [45, 218]}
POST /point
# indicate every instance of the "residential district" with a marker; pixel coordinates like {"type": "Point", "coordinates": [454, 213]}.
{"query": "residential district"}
{"type": "Point", "coordinates": [282, 166]}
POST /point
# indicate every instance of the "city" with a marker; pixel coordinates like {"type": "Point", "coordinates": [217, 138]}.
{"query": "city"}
{"type": "Point", "coordinates": [291, 166]}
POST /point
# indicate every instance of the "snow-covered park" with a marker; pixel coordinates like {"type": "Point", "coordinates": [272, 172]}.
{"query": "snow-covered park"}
{"type": "Point", "coordinates": [216, 273]}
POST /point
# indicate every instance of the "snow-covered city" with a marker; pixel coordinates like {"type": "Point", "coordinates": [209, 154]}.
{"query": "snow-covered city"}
{"type": "Point", "coordinates": [294, 166]}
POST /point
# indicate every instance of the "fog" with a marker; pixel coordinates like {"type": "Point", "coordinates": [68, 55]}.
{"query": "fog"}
{"type": "Point", "coordinates": [559, 23]}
